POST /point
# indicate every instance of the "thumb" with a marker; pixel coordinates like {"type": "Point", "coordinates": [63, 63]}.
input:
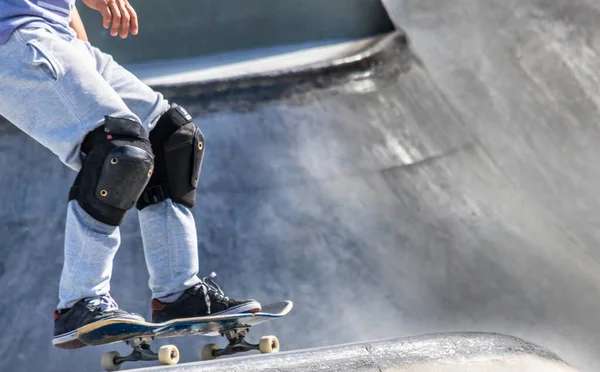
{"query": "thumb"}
{"type": "Point", "coordinates": [106, 17]}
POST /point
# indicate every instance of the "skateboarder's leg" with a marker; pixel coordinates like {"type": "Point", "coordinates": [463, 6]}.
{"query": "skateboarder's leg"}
{"type": "Point", "coordinates": [170, 247]}
{"type": "Point", "coordinates": [168, 228]}
{"type": "Point", "coordinates": [167, 224]}
{"type": "Point", "coordinates": [147, 104]}
{"type": "Point", "coordinates": [50, 89]}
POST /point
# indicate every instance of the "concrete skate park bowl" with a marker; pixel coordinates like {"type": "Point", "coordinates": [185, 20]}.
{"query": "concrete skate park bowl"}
{"type": "Point", "coordinates": [441, 179]}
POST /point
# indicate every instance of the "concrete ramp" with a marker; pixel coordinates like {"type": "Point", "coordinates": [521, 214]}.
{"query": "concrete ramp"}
{"type": "Point", "coordinates": [454, 352]}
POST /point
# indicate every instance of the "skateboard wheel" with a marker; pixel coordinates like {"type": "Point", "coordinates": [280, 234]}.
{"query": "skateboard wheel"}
{"type": "Point", "coordinates": [168, 355]}
{"type": "Point", "coordinates": [108, 361]}
{"type": "Point", "coordinates": [269, 344]}
{"type": "Point", "coordinates": [207, 352]}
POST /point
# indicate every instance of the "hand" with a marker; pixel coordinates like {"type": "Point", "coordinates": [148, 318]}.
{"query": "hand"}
{"type": "Point", "coordinates": [118, 12]}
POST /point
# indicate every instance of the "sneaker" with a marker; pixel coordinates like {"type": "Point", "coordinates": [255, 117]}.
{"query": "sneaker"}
{"type": "Point", "coordinates": [84, 312]}
{"type": "Point", "coordinates": [204, 299]}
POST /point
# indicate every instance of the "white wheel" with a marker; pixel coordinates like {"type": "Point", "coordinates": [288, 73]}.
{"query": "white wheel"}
{"type": "Point", "coordinates": [207, 352]}
{"type": "Point", "coordinates": [108, 361]}
{"type": "Point", "coordinates": [269, 344]}
{"type": "Point", "coordinates": [168, 355]}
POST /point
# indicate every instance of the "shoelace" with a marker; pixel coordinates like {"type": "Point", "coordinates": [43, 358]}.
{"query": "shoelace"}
{"type": "Point", "coordinates": [209, 286]}
{"type": "Point", "coordinates": [104, 303]}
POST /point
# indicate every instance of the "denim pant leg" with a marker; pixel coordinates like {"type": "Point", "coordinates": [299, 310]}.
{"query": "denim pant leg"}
{"type": "Point", "coordinates": [168, 229]}
{"type": "Point", "coordinates": [51, 90]}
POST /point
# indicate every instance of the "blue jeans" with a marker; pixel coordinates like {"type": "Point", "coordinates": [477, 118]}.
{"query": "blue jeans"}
{"type": "Point", "coordinates": [57, 91]}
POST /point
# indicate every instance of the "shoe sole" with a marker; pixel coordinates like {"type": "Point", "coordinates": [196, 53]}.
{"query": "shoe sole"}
{"type": "Point", "coordinates": [69, 340]}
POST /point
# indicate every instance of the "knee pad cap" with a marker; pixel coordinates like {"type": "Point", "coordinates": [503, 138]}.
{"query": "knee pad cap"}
{"type": "Point", "coordinates": [179, 149]}
{"type": "Point", "coordinates": [117, 168]}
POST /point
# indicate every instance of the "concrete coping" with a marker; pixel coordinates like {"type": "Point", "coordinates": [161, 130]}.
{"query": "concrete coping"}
{"type": "Point", "coordinates": [362, 57]}
{"type": "Point", "coordinates": [450, 352]}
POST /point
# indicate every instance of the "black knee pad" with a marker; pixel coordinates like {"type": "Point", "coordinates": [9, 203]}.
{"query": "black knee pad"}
{"type": "Point", "coordinates": [178, 147]}
{"type": "Point", "coordinates": [117, 167]}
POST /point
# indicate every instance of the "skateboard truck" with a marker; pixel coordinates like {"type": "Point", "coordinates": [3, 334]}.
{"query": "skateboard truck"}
{"type": "Point", "coordinates": [238, 344]}
{"type": "Point", "coordinates": [167, 355]}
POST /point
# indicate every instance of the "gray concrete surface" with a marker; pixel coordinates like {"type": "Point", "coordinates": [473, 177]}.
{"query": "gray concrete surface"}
{"type": "Point", "coordinates": [454, 352]}
{"type": "Point", "coordinates": [451, 191]}
{"type": "Point", "coordinates": [190, 28]}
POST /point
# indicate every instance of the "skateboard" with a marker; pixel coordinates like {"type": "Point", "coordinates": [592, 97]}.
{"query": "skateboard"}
{"type": "Point", "coordinates": [139, 335]}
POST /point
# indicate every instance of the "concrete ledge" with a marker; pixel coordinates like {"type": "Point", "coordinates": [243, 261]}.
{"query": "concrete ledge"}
{"type": "Point", "coordinates": [189, 28]}
{"type": "Point", "coordinates": [237, 64]}
{"type": "Point", "coordinates": [470, 352]}
{"type": "Point", "coordinates": [371, 55]}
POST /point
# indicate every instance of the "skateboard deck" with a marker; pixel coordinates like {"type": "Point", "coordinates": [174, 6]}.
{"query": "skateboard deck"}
{"type": "Point", "coordinates": [139, 335]}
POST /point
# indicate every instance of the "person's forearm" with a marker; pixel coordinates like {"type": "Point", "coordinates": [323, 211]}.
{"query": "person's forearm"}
{"type": "Point", "coordinates": [77, 25]}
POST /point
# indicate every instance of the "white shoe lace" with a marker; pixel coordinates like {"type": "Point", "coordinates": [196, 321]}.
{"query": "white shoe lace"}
{"type": "Point", "coordinates": [104, 302]}
{"type": "Point", "coordinates": [209, 286]}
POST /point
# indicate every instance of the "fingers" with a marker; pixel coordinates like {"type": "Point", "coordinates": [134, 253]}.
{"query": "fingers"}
{"type": "Point", "coordinates": [106, 17]}
{"type": "Point", "coordinates": [116, 18]}
{"type": "Point", "coordinates": [124, 18]}
{"type": "Point", "coordinates": [134, 20]}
